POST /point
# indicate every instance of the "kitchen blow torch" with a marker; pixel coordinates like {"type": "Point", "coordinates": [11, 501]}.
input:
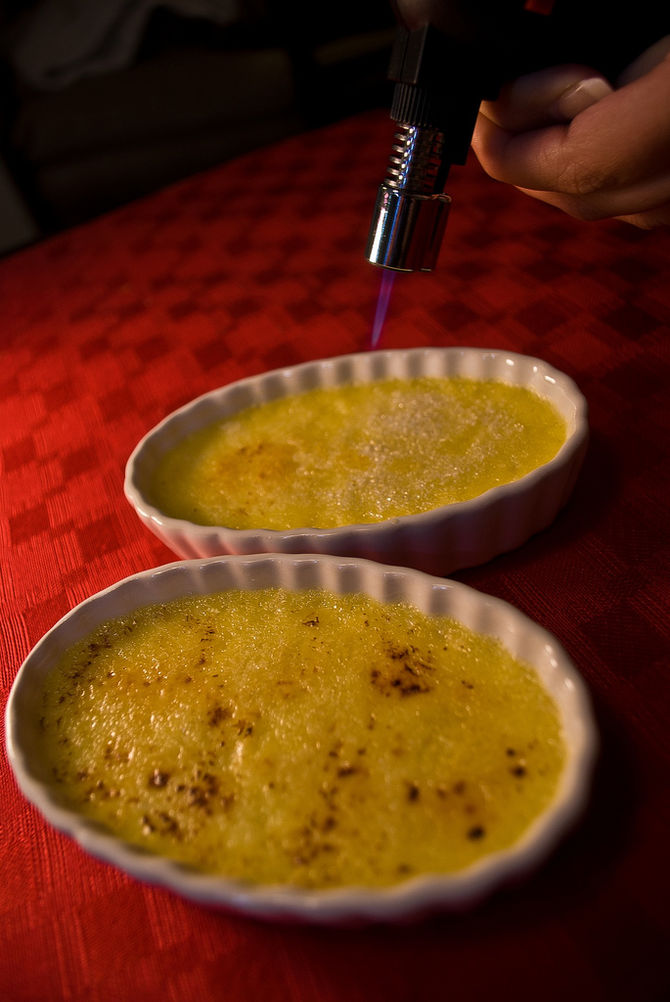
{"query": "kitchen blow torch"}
{"type": "Point", "coordinates": [444, 68]}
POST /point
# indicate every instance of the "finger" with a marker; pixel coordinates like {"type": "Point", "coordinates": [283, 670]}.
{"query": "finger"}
{"type": "Point", "coordinates": [654, 219]}
{"type": "Point", "coordinates": [616, 142]}
{"type": "Point", "coordinates": [649, 200]}
{"type": "Point", "coordinates": [648, 220]}
{"type": "Point", "coordinates": [545, 97]}
{"type": "Point", "coordinates": [650, 58]}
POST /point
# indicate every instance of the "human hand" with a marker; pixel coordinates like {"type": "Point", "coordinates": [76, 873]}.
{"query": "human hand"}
{"type": "Point", "coordinates": [566, 137]}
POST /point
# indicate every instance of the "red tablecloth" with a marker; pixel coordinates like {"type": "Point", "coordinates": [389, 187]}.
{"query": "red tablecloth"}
{"type": "Point", "coordinates": [259, 264]}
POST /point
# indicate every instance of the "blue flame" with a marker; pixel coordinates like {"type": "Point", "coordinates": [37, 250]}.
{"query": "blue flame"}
{"type": "Point", "coordinates": [382, 306]}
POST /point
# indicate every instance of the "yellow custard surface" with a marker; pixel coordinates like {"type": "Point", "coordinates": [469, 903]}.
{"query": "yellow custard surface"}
{"type": "Point", "coordinates": [302, 738]}
{"type": "Point", "coordinates": [357, 454]}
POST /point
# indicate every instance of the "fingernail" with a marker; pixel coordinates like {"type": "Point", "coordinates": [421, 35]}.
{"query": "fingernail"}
{"type": "Point", "coordinates": [580, 96]}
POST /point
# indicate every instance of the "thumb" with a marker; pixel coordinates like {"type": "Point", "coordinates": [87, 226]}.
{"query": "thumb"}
{"type": "Point", "coordinates": [546, 97]}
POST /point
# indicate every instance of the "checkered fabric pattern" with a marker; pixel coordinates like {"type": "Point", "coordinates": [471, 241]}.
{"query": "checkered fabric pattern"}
{"type": "Point", "coordinates": [259, 264]}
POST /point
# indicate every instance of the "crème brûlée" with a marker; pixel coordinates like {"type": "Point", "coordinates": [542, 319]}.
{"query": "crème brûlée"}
{"type": "Point", "coordinates": [357, 454]}
{"type": "Point", "coordinates": [310, 739]}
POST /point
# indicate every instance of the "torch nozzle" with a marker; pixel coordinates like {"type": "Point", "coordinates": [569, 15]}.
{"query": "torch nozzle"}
{"type": "Point", "coordinates": [411, 210]}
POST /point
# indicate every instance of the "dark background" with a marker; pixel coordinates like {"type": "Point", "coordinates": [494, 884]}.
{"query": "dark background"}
{"type": "Point", "coordinates": [192, 93]}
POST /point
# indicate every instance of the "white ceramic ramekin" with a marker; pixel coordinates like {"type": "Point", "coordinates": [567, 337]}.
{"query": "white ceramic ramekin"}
{"type": "Point", "coordinates": [439, 541]}
{"type": "Point", "coordinates": [409, 899]}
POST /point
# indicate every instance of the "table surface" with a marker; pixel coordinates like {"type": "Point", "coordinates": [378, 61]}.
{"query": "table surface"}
{"type": "Point", "coordinates": [259, 264]}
